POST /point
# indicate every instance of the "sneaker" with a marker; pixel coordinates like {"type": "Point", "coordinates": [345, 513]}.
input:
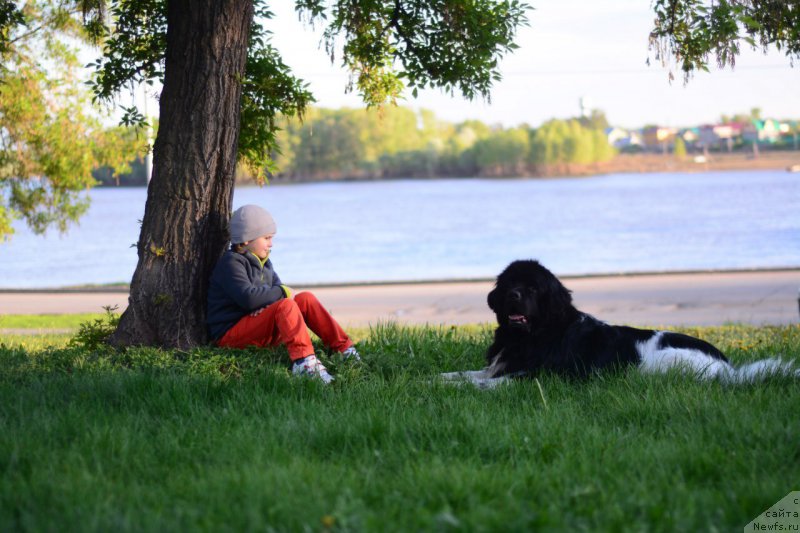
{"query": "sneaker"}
{"type": "Point", "coordinates": [311, 367]}
{"type": "Point", "coordinates": [352, 355]}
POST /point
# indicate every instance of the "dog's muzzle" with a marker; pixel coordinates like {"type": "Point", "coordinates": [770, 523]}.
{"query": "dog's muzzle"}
{"type": "Point", "coordinates": [520, 321]}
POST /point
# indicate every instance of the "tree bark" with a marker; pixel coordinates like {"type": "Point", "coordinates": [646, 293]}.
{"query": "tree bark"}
{"type": "Point", "coordinates": [185, 225]}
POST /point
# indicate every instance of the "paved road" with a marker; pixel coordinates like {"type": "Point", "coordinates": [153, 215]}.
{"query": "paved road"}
{"type": "Point", "coordinates": [762, 297]}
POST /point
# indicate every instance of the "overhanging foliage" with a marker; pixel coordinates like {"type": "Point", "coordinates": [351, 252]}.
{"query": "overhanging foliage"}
{"type": "Point", "coordinates": [691, 31]}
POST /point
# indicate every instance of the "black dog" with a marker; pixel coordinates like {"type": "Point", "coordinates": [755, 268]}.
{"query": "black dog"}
{"type": "Point", "coordinates": [539, 330]}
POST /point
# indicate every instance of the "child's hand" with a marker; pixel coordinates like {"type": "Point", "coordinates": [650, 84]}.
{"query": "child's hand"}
{"type": "Point", "coordinates": [287, 291]}
{"type": "Point", "coordinates": [257, 312]}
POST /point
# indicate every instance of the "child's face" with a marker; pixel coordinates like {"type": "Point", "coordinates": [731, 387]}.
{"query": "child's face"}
{"type": "Point", "coordinates": [260, 246]}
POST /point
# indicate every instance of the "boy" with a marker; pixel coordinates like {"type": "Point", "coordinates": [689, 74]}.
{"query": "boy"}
{"type": "Point", "coordinates": [248, 305]}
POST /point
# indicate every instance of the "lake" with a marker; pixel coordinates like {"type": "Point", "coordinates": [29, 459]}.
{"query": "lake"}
{"type": "Point", "coordinates": [460, 229]}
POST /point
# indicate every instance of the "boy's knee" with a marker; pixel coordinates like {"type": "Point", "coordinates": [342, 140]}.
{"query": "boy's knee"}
{"type": "Point", "coordinates": [304, 298]}
{"type": "Point", "coordinates": [287, 305]}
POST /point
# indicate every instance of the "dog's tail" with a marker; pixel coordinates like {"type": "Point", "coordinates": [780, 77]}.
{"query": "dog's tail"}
{"type": "Point", "coordinates": [759, 370]}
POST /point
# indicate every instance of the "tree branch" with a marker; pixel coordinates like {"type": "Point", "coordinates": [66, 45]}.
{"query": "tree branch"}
{"type": "Point", "coordinates": [43, 25]}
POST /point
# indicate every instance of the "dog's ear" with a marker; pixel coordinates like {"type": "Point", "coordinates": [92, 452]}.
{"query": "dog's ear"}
{"type": "Point", "coordinates": [495, 299]}
{"type": "Point", "coordinates": [559, 298]}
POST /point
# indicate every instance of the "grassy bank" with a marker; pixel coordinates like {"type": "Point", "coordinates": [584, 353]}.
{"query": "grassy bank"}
{"type": "Point", "coordinates": [47, 322]}
{"type": "Point", "coordinates": [220, 440]}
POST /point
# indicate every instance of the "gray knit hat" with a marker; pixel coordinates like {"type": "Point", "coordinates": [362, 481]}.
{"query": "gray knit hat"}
{"type": "Point", "coordinates": [251, 222]}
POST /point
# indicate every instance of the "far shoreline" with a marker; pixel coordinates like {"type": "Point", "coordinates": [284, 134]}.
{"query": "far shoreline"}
{"type": "Point", "coordinates": [644, 163]}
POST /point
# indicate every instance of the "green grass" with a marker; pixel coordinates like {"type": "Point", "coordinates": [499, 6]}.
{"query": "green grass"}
{"type": "Point", "coordinates": [221, 440]}
{"type": "Point", "coordinates": [46, 321]}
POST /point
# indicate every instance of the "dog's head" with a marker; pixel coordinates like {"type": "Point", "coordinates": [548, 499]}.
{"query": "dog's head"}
{"type": "Point", "coordinates": [528, 297]}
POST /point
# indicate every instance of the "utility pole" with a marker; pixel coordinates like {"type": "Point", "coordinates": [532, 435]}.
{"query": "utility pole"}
{"type": "Point", "coordinates": [148, 157]}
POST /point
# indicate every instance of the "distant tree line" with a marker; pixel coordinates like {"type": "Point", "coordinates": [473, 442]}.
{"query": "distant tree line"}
{"type": "Point", "coordinates": [399, 142]}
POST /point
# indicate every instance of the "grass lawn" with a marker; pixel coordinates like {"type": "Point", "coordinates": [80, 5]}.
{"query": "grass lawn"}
{"type": "Point", "coordinates": [148, 440]}
{"type": "Point", "coordinates": [43, 322]}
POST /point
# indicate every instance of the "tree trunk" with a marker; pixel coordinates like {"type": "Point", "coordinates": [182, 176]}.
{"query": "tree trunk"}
{"type": "Point", "coordinates": [185, 225]}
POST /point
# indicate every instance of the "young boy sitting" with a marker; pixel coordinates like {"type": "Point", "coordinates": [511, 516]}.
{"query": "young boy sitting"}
{"type": "Point", "coordinates": [248, 305]}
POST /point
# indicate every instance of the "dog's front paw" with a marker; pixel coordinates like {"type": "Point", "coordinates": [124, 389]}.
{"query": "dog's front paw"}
{"type": "Point", "coordinates": [479, 378]}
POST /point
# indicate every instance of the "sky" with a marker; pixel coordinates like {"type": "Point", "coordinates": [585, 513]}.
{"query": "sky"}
{"type": "Point", "coordinates": [573, 49]}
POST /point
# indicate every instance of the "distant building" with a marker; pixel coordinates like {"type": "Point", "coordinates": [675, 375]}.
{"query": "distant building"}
{"type": "Point", "coordinates": [706, 137]}
{"type": "Point", "coordinates": [636, 139]}
{"type": "Point", "coordinates": [789, 134]}
{"type": "Point", "coordinates": [729, 130]}
{"type": "Point", "coordinates": [659, 138]}
{"type": "Point", "coordinates": [690, 136]}
{"type": "Point", "coordinates": [761, 131]}
{"type": "Point", "coordinates": [722, 136]}
{"type": "Point", "coordinates": [615, 135]}
{"type": "Point", "coordinates": [622, 139]}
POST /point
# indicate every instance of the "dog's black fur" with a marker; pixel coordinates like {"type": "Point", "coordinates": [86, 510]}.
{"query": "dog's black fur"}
{"type": "Point", "coordinates": [540, 330]}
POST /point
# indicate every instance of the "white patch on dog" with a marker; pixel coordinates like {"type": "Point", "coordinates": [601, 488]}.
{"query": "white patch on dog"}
{"type": "Point", "coordinates": [705, 366]}
{"type": "Point", "coordinates": [655, 359]}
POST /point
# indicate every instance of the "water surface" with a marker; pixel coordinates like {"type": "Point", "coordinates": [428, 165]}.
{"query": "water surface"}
{"type": "Point", "coordinates": [461, 229]}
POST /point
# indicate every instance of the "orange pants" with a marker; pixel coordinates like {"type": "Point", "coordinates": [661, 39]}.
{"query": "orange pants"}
{"type": "Point", "coordinates": [286, 322]}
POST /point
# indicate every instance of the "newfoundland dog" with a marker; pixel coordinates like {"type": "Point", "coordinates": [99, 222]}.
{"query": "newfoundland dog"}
{"type": "Point", "coordinates": [539, 330]}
